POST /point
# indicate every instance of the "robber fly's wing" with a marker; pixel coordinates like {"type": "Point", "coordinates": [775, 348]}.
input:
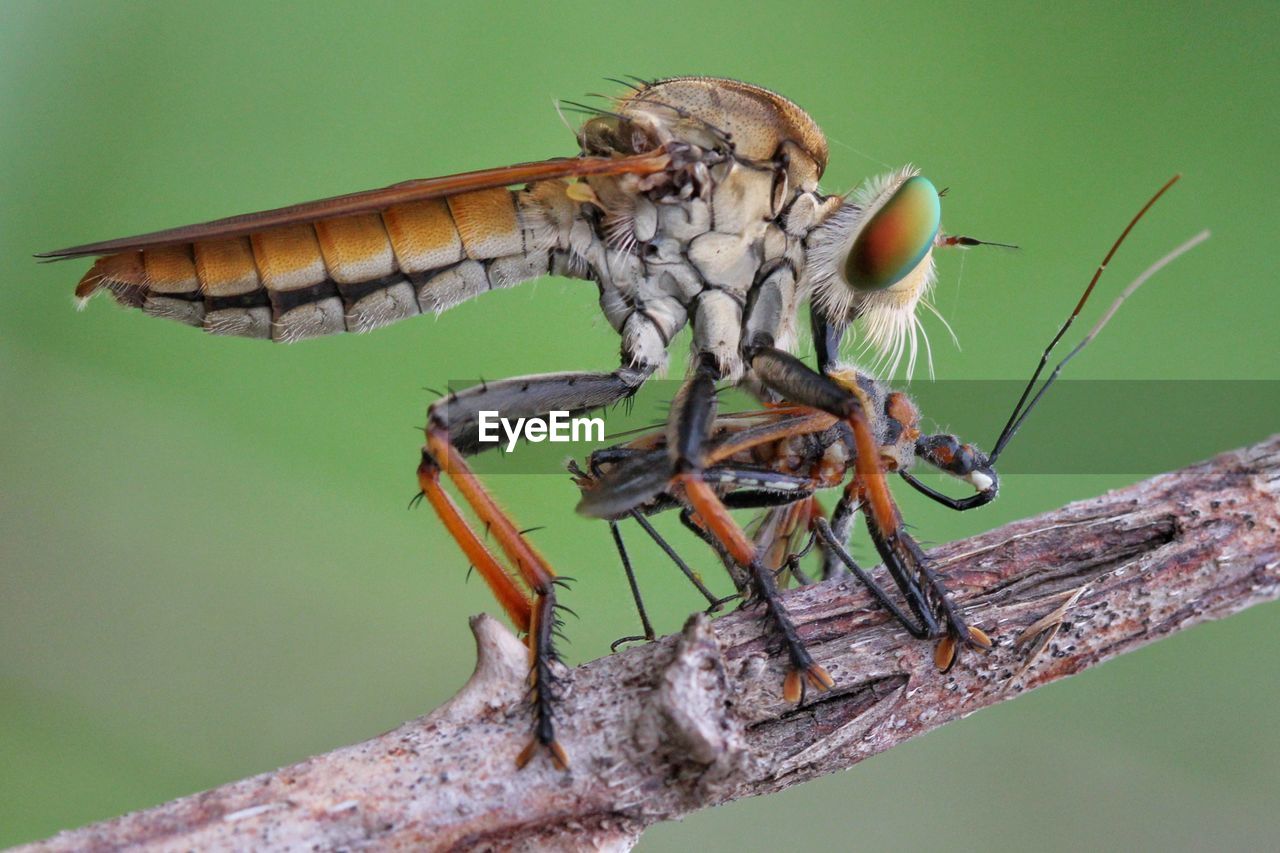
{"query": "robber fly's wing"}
{"type": "Point", "coordinates": [369, 201]}
{"type": "Point", "coordinates": [351, 262]}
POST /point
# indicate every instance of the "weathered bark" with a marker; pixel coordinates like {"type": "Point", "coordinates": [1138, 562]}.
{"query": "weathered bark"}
{"type": "Point", "coordinates": [696, 719]}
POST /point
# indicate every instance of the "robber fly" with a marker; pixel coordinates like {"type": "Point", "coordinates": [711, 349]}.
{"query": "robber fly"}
{"type": "Point", "coordinates": [693, 201]}
{"type": "Point", "coordinates": [778, 459]}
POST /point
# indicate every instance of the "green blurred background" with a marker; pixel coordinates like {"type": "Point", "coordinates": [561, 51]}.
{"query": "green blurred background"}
{"type": "Point", "coordinates": [207, 565]}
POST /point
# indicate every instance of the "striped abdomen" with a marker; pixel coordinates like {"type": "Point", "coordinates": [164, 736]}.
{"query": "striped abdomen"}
{"type": "Point", "coordinates": [353, 274]}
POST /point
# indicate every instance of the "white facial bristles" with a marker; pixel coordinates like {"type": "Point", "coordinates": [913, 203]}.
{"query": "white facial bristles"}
{"type": "Point", "coordinates": [887, 319]}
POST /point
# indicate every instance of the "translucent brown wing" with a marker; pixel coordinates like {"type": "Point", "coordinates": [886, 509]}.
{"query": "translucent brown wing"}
{"type": "Point", "coordinates": [371, 201]}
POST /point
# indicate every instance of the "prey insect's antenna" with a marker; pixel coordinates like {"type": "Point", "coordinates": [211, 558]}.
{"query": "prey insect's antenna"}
{"type": "Point", "coordinates": [1025, 405]}
{"type": "Point", "coordinates": [1093, 333]}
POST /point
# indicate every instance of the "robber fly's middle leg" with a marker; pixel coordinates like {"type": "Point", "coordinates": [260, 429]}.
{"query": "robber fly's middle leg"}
{"type": "Point", "coordinates": [689, 427]}
{"type": "Point", "coordinates": [452, 432]}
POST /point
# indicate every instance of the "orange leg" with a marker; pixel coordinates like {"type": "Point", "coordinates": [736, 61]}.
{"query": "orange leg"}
{"type": "Point", "coordinates": [513, 598]}
{"type": "Point", "coordinates": [535, 615]}
{"type": "Point", "coordinates": [897, 546]}
{"type": "Point", "coordinates": [715, 517]}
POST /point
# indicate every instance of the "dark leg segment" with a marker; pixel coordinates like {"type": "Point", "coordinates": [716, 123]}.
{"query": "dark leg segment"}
{"type": "Point", "coordinates": [532, 396]}
{"type": "Point", "coordinates": [841, 527]}
{"type": "Point", "coordinates": [645, 624]}
{"type": "Point", "coordinates": [714, 602]}
{"type": "Point", "coordinates": [689, 426]}
{"type": "Point", "coordinates": [832, 541]}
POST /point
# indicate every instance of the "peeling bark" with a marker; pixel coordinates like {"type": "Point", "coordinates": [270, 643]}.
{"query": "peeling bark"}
{"type": "Point", "coordinates": [697, 719]}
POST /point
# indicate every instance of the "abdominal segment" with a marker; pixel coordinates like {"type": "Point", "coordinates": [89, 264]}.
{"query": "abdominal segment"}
{"type": "Point", "coordinates": [348, 274]}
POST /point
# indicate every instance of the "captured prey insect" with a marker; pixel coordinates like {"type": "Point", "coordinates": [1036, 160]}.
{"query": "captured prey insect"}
{"type": "Point", "coordinates": [779, 458]}
{"type": "Point", "coordinates": [694, 201]}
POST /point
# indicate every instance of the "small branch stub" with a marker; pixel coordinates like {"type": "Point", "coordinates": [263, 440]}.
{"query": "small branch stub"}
{"type": "Point", "coordinates": [694, 720]}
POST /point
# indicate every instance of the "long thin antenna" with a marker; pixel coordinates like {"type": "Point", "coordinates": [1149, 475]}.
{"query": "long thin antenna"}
{"type": "Point", "coordinates": [1093, 333]}
{"type": "Point", "coordinates": [1021, 409]}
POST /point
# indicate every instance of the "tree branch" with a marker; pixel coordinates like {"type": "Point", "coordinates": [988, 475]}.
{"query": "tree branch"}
{"type": "Point", "coordinates": [696, 719]}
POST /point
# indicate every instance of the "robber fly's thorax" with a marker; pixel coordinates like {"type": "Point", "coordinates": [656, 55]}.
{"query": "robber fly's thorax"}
{"type": "Point", "coordinates": [717, 239]}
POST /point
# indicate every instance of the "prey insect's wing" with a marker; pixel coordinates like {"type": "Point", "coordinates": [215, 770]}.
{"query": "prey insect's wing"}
{"type": "Point", "coordinates": [647, 472]}
{"type": "Point", "coordinates": [629, 483]}
{"type": "Point", "coordinates": [774, 425]}
{"type": "Point", "coordinates": [354, 262]}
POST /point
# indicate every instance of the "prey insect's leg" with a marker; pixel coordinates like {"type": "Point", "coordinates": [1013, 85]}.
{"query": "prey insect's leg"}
{"type": "Point", "coordinates": [738, 574]}
{"type": "Point", "coordinates": [841, 527]}
{"type": "Point", "coordinates": [963, 461]}
{"type": "Point", "coordinates": [627, 456]}
{"type": "Point", "coordinates": [920, 583]}
{"type": "Point", "coordinates": [775, 535]}
{"type": "Point", "coordinates": [712, 512]}
{"type": "Point", "coordinates": [714, 602]}
{"type": "Point", "coordinates": [837, 548]}
{"type": "Point", "coordinates": [452, 429]}
{"type": "Point", "coordinates": [902, 564]}
{"type": "Point", "coordinates": [645, 624]}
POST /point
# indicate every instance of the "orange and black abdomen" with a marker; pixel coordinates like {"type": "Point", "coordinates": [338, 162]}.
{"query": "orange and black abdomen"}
{"type": "Point", "coordinates": [352, 273]}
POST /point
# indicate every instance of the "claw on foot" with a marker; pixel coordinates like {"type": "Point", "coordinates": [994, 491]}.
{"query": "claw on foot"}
{"type": "Point", "coordinates": [944, 654]}
{"type": "Point", "coordinates": [720, 603]}
{"type": "Point", "coordinates": [793, 684]}
{"type": "Point", "coordinates": [559, 758]}
{"type": "Point", "coordinates": [621, 641]}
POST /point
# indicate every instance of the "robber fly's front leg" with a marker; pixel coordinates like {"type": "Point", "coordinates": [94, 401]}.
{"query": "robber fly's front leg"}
{"type": "Point", "coordinates": [791, 378]}
{"type": "Point", "coordinates": [452, 431]}
{"type": "Point", "coordinates": [689, 426]}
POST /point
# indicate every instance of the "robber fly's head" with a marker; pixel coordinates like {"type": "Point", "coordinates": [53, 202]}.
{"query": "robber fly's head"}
{"type": "Point", "coordinates": [874, 258]}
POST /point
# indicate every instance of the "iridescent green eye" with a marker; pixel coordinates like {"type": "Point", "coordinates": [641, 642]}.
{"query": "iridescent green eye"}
{"type": "Point", "coordinates": [892, 243]}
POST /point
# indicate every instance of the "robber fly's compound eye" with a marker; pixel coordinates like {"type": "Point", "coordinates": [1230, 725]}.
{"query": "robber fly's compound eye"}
{"type": "Point", "coordinates": [896, 238]}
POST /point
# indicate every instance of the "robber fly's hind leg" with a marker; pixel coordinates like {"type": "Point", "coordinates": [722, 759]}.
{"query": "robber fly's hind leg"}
{"type": "Point", "coordinates": [691, 415]}
{"type": "Point", "coordinates": [452, 431]}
